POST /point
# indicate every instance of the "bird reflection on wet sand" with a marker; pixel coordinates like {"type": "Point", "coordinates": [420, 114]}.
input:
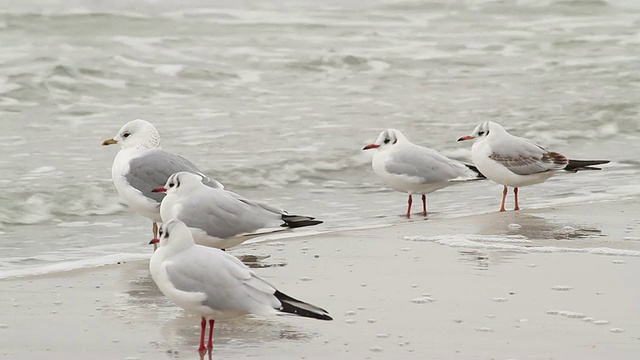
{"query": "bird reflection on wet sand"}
{"type": "Point", "coordinates": [536, 231]}
{"type": "Point", "coordinates": [141, 299]}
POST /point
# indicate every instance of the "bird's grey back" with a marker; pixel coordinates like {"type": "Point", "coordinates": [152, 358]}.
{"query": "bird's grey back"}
{"type": "Point", "coordinates": [228, 284]}
{"type": "Point", "coordinates": [154, 167]}
{"type": "Point", "coordinates": [427, 164]}
{"type": "Point", "coordinates": [224, 214]}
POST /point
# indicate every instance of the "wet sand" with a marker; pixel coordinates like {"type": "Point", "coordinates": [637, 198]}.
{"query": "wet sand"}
{"type": "Point", "coordinates": [533, 284]}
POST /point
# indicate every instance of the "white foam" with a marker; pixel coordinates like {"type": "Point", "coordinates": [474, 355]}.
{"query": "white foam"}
{"type": "Point", "coordinates": [73, 265]}
{"type": "Point", "coordinates": [168, 69]}
{"type": "Point", "coordinates": [508, 243]}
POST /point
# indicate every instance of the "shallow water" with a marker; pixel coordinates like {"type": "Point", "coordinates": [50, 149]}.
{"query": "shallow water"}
{"type": "Point", "coordinates": [276, 99]}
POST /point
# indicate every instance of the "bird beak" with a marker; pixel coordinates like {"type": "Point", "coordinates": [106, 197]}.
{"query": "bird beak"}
{"type": "Point", "coordinates": [466, 137]}
{"type": "Point", "coordinates": [109, 142]}
{"type": "Point", "coordinates": [371, 146]}
{"type": "Point", "coordinates": [154, 241]}
{"type": "Point", "coordinates": [159, 189]}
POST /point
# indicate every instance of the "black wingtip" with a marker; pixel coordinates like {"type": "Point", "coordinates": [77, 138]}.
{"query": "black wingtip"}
{"type": "Point", "coordinates": [577, 165]}
{"type": "Point", "coordinates": [300, 308]}
{"type": "Point", "coordinates": [475, 169]}
{"type": "Point", "coordinates": [296, 221]}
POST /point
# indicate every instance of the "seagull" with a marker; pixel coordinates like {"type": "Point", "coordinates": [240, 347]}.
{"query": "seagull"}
{"type": "Point", "coordinates": [221, 218]}
{"type": "Point", "coordinates": [141, 165]}
{"type": "Point", "coordinates": [514, 161]}
{"type": "Point", "coordinates": [413, 169]}
{"type": "Point", "coordinates": [214, 284]}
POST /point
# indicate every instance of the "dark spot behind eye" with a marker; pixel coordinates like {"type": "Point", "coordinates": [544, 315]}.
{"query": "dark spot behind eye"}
{"type": "Point", "coordinates": [166, 234]}
{"type": "Point", "coordinates": [177, 183]}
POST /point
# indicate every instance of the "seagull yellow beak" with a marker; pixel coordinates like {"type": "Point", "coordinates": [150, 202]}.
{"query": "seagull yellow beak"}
{"type": "Point", "coordinates": [109, 142]}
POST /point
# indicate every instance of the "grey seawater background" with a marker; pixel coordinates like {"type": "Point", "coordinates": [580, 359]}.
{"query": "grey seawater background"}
{"type": "Point", "coordinates": [275, 99]}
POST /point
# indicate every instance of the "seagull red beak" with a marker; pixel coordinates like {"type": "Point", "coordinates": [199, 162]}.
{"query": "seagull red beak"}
{"type": "Point", "coordinates": [159, 189]}
{"type": "Point", "coordinates": [154, 241]}
{"type": "Point", "coordinates": [371, 146]}
{"type": "Point", "coordinates": [466, 137]}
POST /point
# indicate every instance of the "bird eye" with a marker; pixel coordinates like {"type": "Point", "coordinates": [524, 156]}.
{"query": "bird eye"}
{"type": "Point", "coordinates": [160, 232]}
{"type": "Point", "coordinates": [126, 135]}
{"type": "Point", "coordinates": [171, 184]}
{"type": "Point", "coordinates": [481, 133]}
{"type": "Point", "coordinates": [387, 140]}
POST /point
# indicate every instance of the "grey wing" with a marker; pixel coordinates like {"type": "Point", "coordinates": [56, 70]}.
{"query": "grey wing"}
{"type": "Point", "coordinates": [226, 282]}
{"type": "Point", "coordinates": [205, 179]}
{"type": "Point", "coordinates": [428, 165]}
{"type": "Point", "coordinates": [523, 157]}
{"type": "Point", "coordinates": [264, 206]}
{"type": "Point", "coordinates": [152, 169]}
{"type": "Point", "coordinates": [224, 214]}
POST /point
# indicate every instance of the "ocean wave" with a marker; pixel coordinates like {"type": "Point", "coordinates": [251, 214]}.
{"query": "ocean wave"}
{"type": "Point", "coordinates": [297, 169]}
{"type": "Point", "coordinates": [19, 16]}
{"type": "Point", "coordinates": [43, 207]}
{"type": "Point", "coordinates": [334, 62]}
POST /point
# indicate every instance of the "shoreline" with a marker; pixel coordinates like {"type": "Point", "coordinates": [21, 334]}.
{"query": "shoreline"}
{"type": "Point", "coordinates": [390, 297]}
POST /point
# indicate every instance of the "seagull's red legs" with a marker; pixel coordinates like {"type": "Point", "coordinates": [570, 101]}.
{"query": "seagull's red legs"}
{"type": "Point", "coordinates": [211, 322]}
{"type": "Point", "coordinates": [504, 197]}
{"type": "Point", "coordinates": [203, 329]}
{"type": "Point", "coordinates": [424, 205]}
{"type": "Point", "coordinates": [409, 202]}
{"type": "Point", "coordinates": [515, 195]}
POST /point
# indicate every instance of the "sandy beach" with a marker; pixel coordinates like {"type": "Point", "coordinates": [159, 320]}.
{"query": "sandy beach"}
{"type": "Point", "coordinates": [557, 283]}
{"type": "Point", "coordinates": [277, 99]}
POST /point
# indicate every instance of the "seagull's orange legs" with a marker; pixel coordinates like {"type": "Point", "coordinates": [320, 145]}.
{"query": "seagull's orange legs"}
{"type": "Point", "coordinates": [504, 197]}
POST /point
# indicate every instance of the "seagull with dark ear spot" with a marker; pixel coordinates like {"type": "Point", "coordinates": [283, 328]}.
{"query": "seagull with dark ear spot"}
{"type": "Point", "coordinates": [214, 285]}
{"type": "Point", "coordinates": [221, 218]}
{"type": "Point", "coordinates": [415, 170]}
{"type": "Point", "coordinates": [514, 161]}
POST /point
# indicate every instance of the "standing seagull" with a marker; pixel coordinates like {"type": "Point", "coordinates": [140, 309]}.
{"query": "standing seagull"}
{"type": "Point", "coordinates": [414, 169]}
{"type": "Point", "coordinates": [514, 161]}
{"type": "Point", "coordinates": [221, 218]}
{"type": "Point", "coordinates": [141, 165]}
{"type": "Point", "coordinates": [213, 284]}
